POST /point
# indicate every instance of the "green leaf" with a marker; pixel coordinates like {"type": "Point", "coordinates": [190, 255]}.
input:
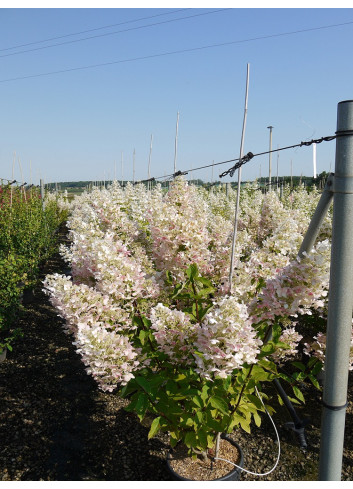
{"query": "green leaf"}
{"type": "Point", "coordinates": [255, 401]}
{"type": "Point", "coordinates": [192, 271]}
{"type": "Point", "coordinates": [198, 401]}
{"type": "Point", "coordinates": [299, 365]}
{"type": "Point", "coordinates": [298, 393]}
{"type": "Point", "coordinates": [141, 405]}
{"type": "Point", "coordinates": [220, 404]}
{"type": "Point", "coordinates": [257, 419]}
{"type": "Point", "coordinates": [204, 392]}
{"type": "Point", "coordinates": [142, 382]}
{"type": "Point", "coordinates": [199, 418]}
{"type": "Point", "coordinates": [142, 336]}
{"type": "Point", "coordinates": [190, 439]}
{"type": "Point", "coordinates": [202, 438]}
{"type": "Point", "coordinates": [155, 426]}
{"type": "Point", "coordinates": [245, 424]}
{"type": "Point", "coordinates": [314, 381]}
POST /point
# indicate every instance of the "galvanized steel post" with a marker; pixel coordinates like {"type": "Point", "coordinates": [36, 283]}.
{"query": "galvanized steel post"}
{"type": "Point", "coordinates": [318, 218]}
{"type": "Point", "coordinates": [339, 324]}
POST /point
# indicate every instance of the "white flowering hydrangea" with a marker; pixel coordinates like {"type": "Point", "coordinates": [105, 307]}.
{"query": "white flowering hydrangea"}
{"type": "Point", "coordinates": [225, 340]}
{"type": "Point", "coordinates": [110, 358]}
{"type": "Point", "coordinates": [291, 338]}
{"type": "Point", "coordinates": [174, 333]}
{"type": "Point", "coordinates": [124, 240]}
{"type": "Point", "coordinates": [317, 349]}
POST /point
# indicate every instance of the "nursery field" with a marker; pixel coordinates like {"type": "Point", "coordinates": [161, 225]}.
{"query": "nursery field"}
{"type": "Point", "coordinates": [56, 425]}
{"type": "Point", "coordinates": [135, 339]}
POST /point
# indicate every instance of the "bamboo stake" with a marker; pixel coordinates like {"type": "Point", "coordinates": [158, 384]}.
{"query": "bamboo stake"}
{"type": "Point", "coordinates": [239, 182]}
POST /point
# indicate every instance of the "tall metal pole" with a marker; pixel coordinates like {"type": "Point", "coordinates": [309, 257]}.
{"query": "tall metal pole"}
{"type": "Point", "coordinates": [270, 158]}
{"type": "Point", "coordinates": [318, 218]}
{"type": "Point", "coordinates": [176, 142]}
{"type": "Point", "coordinates": [339, 323]}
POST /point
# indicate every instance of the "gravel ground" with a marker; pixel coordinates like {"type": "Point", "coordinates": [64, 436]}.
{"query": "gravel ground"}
{"type": "Point", "coordinates": [55, 425]}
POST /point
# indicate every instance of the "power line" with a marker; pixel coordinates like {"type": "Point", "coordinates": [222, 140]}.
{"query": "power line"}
{"type": "Point", "coordinates": [111, 33]}
{"type": "Point", "coordinates": [169, 53]}
{"type": "Point", "coordinates": [92, 30]}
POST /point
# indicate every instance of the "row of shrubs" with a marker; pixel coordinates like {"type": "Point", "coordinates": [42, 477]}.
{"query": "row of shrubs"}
{"type": "Point", "coordinates": [28, 236]}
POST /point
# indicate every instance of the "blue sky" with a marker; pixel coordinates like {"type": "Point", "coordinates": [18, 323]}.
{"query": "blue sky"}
{"type": "Point", "coordinates": [76, 125]}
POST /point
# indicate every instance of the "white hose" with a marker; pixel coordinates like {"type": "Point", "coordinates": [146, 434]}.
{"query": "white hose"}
{"type": "Point", "coordinates": [279, 447]}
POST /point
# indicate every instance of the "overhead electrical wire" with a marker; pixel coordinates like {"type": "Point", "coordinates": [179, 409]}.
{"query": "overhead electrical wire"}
{"type": "Point", "coordinates": [92, 30]}
{"type": "Point", "coordinates": [169, 53]}
{"type": "Point", "coordinates": [154, 24]}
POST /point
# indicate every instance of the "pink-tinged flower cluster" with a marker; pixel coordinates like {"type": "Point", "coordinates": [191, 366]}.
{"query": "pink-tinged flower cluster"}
{"type": "Point", "coordinates": [83, 306]}
{"type": "Point", "coordinates": [297, 288]}
{"type": "Point", "coordinates": [108, 266]}
{"type": "Point", "coordinates": [317, 349]}
{"type": "Point", "coordinates": [174, 333]}
{"type": "Point", "coordinates": [109, 357]}
{"type": "Point", "coordinates": [291, 338]}
{"type": "Point", "coordinates": [178, 228]}
{"type": "Point", "coordinates": [225, 340]}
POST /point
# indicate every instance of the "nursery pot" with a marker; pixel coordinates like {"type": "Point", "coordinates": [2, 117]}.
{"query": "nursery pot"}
{"type": "Point", "coordinates": [232, 475]}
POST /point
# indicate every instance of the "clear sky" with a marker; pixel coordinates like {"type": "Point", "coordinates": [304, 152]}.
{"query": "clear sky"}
{"type": "Point", "coordinates": [70, 124]}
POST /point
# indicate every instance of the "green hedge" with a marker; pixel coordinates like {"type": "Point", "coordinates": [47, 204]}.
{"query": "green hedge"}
{"type": "Point", "coordinates": [27, 237]}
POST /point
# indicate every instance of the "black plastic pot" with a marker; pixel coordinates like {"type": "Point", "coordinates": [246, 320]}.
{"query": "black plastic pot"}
{"type": "Point", "coordinates": [233, 475]}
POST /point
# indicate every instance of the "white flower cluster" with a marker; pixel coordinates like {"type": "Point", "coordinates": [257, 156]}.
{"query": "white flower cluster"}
{"type": "Point", "coordinates": [225, 340]}
{"type": "Point", "coordinates": [317, 348]}
{"type": "Point", "coordinates": [125, 239]}
{"type": "Point", "coordinates": [174, 333]}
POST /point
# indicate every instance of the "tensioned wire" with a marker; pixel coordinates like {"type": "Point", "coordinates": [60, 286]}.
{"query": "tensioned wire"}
{"type": "Point", "coordinates": [241, 161]}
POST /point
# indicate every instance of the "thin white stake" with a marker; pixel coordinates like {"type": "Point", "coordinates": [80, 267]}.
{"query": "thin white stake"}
{"type": "Point", "coordinates": [277, 166]}
{"type": "Point", "coordinates": [314, 159]}
{"type": "Point", "coordinates": [122, 169]}
{"type": "Point", "coordinates": [149, 159]}
{"type": "Point", "coordinates": [176, 142]}
{"type": "Point", "coordinates": [22, 180]}
{"type": "Point", "coordinates": [13, 174]}
{"type": "Point", "coordinates": [239, 182]}
{"type": "Point", "coordinates": [133, 166]}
